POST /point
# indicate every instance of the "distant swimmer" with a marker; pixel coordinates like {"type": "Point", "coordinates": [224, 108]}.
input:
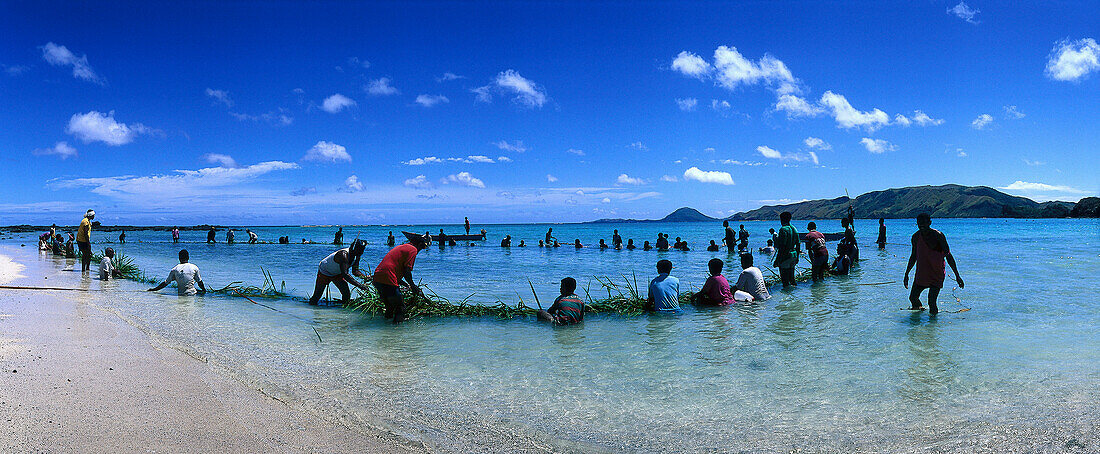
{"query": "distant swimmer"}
{"type": "Point", "coordinates": [742, 238]}
{"type": "Point", "coordinates": [338, 238]}
{"type": "Point", "coordinates": [442, 238]}
{"type": "Point", "coordinates": [556, 244]}
{"type": "Point", "coordinates": [713, 247]}
{"type": "Point", "coordinates": [664, 290]}
{"type": "Point", "coordinates": [662, 242]}
{"type": "Point", "coordinates": [881, 241]}
{"type": "Point", "coordinates": [339, 268]}
{"type": "Point", "coordinates": [751, 280]}
{"type": "Point", "coordinates": [252, 237]}
{"type": "Point", "coordinates": [542, 243]}
{"type": "Point", "coordinates": [507, 241]}
{"type": "Point", "coordinates": [107, 268]}
{"type": "Point", "coordinates": [466, 221]}
{"type": "Point", "coordinates": [84, 240]}
{"type": "Point", "coordinates": [729, 238]}
{"type": "Point", "coordinates": [550, 236]}
{"type": "Point", "coordinates": [210, 235]}
{"type": "Point", "coordinates": [630, 245]}
{"type": "Point", "coordinates": [577, 243]}
{"type": "Point", "coordinates": [770, 248]}
{"type": "Point", "coordinates": [390, 240]}
{"type": "Point", "coordinates": [787, 250]}
{"type": "Point", "coordinates": [716, 289]}
{"type": "Point", "coordinates": [568, 308]}
{"type": "Point", "coordinates": [522, 244]}
{"type": "Point", "coordinates": [818, 252]}
{"type": "Point", "coordinates": [185, 275]}
{"type": "Point", "coordinates": [229, 236]}
{"type": "Point", "coordinates": [395, 266]}
{"type": "Point", "coordinates": [603, 245]}
{"type": "Point", "coordinates": [646, 246]}
{"type": "Point", "coordinates": [175, 234]}
{"type": "Point", "coordinates": [616, 240]}
{"type": "Point", "coordinates": [122, 237]}
{"type": "Point", "coordinates": [930, 249]}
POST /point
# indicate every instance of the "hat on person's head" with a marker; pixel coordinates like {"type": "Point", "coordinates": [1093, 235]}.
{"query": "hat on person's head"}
{"type": "Point", "coordinates": [90, 214]}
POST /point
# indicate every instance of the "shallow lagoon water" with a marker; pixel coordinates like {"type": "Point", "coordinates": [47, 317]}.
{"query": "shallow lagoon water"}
{"type": "Point", "coordinates": [832, 366]}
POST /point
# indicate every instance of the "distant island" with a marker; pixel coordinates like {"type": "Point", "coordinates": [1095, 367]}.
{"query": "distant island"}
{"type": "Point", "coordinates": [946, 201]}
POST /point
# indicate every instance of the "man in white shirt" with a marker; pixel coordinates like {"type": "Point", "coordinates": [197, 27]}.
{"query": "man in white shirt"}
{"type": "Point", "coordinates": [107, 268]}
{"type": "Point", "coordinates": [186, 275]}
{"type": "Point", "coordinates": [751, 280]}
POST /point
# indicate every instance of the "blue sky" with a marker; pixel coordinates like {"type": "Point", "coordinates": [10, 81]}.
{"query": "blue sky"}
{"type": "Point", "coordinates": [341, 112]}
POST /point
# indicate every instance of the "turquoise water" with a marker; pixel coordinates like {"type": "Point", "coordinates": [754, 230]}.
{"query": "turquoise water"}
{"type": "Point", "coordinates": [830, 366]}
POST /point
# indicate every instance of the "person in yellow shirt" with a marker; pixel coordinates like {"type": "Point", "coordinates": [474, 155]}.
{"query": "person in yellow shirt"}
{"type": "Point", "coordinates": [84, 241]}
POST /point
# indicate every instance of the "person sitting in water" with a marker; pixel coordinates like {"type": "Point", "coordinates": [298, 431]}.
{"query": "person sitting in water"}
{"type": "Point", "coordinates": [185, 275]}
{"type": "Point", "coordinates": [630, 245]}
{"type": "Point", "coordinates": [210, 235]}
{"type": "Point", "coordinates": [107, 268]}
{"type": "Point", "coordinates": [769, 248]}
{"type": "Point", "coordinates": [646, 246]}
{"type": "Point", "coordinates": [556, 244]}
{"type": "Point", "coordinates": [742, 238]}
{"type": "Point", "coordinates": [930, 249]}
{"type": "Point", "coordinates": [818, 252]}
{"type": "Point", "coordinates": [338, 238]}
{"type": "Point", "coordinates": [616, 240]}
{"type": "Point", "coordinates": [334, 269]}
{"type": "Point", "coordinates": [713, 247]}
{"type": "Point", "coordinates": [662, 242]}
{"type": "Point", "coordinates": [122, 237]}
{"type": "Point", "coordinates": [664, 290]}
{"type": "Point", "coordinates": [451, 242]}
{"type": "Point", "coordinates": [603, 245]}
{"type": "Point", "coordinates": [398, 264]}
{"type": "Point", "coordinates": [716, 289]}
{"type": "Point", "coordinates": [390, 240]}
{"type": "Point", "coordinates": [577, 243]}
{"type": "Point", "coordinates": [550, 236]}
{"type": "Point", "coordinates": [677, 245]}
{"type": "Point", "coordinates": [568, 308]}
{"type": "Point", "coordinates": [542, 244]}
{"type": "Point", "coordinates": [507, 241]}
{"type": "Point", "coordinates": [842, 264]}
{"type": "Point", "coordinates": [751, 280]}
{"type": "Point", "coordinates": [521, 244]}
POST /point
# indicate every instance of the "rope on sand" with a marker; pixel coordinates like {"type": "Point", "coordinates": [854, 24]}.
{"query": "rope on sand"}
{"type": "Point", "coordinates": [18, 287]}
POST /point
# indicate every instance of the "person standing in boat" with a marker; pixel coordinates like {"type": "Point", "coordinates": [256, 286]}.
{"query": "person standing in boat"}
{"type": "Point", "coordinates": [334, 269]}
{"type": "Point", "coordinates": [466, 221]}
{"type": "Point", "coordinates": [787, 250]}
{"type": "Point", "coordinates": [395, 266]}
{"type": "Point", "coordinates": [930, 250]}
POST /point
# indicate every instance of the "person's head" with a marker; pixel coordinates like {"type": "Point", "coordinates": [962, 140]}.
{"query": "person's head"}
{"type": "Point", "coordinates": [616, 231]}
{"type": "Point", "coordinates": [811, 226]}
{"type": "Point", "coordinates": [646, 244]}
{"type": "Point", "coordinates": [712, 243]}
{"type": "Point", "coordinates": [90, 214]}
{"type": "Point", "coordinates": [677, 239]}
{"type": "Point", "coordinates": [568, 286]}
{"type": "Point", "coordinates": [391, 232]}
{"type": "Point", "coordinates": [660, 235]}
{"type": "Point", "coordinates": [742, 227]}
{"type": "Point", "coordinates": [924, 220]}
{"type": "Point", "coordinates": [715, 266]}
{"type": "Point", "coordinates": [577, 241]}
{"type": "Point", "coordinates": [844, 222]}
{"type": "Point", "coordinates": [541, 243]}
{"type": "Point", "coordinates": [601, 241]}
{"type": "Point", "coordinates": [440, 232]}
{"type": "Point", "coordinates": [110, 253]}
{"type": "Point", "coordinates": [421, 242]}
{"type": "Point", "coordinates": [630, 241]}
{"type": "Point", "coordinates": [881, 221]}
{"type": "Point", "coordinates": [184, 256]}
{"type": "Point", "coordinates": [357, 247]}
{"type": "Point", "coordinates": [746, 260]}
{"type": "Point", "coordinates": [772, 231]}
{"type": "Point", "coordinates": [551, 229]}
{"type": "Point", "coordinates": [725, 223]}
{"type": "Point", "coordinates": [785, 218]}
{"type": "Point", "coordinates": [508, 237]}
{"type": "Point", "coordinates": [664, 266]}
{"type": "Point", "coordinates": [770, 243]}
{"type": "Point", "coordinates": [466, 218]}
{"type": "Point", "coordinates": [521, 242]}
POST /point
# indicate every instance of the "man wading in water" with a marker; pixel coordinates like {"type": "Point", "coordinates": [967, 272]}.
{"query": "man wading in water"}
{"type": "Point", "coordinates": [398, 264]}
{"type": "Point", "coordinates": [929, 251]}
{"type": "Point", "coordinates": [335, 268]}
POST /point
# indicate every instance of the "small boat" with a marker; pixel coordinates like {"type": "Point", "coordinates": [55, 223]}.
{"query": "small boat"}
{"type": "Point", "coordinates": [828, 236]}
{"type": "Point", "coordinates": [445, 237]}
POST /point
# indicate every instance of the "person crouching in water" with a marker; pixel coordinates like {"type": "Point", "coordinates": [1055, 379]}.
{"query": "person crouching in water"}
{"type": "Point", "coordinates": [107, 268]}
{"type": "Point", "coordinates": [185, 275]}
{"type": "Point", "coordinates": [398, 264]}
{"type": "Point", "coordinates": [334, 269]}
{"type": "Point", "coordinates": [568, 308]}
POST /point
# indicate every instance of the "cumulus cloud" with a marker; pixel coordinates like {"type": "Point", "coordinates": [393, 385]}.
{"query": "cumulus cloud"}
{"type": "Point", "coordinates": [336, 103]}
{"type": "Point", "coordinates": [516, 147]}
{"type": "Point", "coordinates": [352, 184]}
{"type": "Point", "coordinates": [902, 120]}
{"type": "Point", "coordinates": [687, 104]}
{"type": "Point", "coordinates": [877, 145]}
{"type": "Point", "coordinates": [575, 151]}
{"type": "Point", "coordinates": [99, 127]}
{"type": "Point", "coordinates": [524, 91]}
{"type": "Point", "coordinates": [982, 121]}
{"type": "Point", "coordinates": [1023, 186]}
{"type": "Point", "coordinates": [479, 158]}
{"type": "Point", "coordinates": [422, 161]}
{"type": "Point", "coordinates": [639, 146]}
{"type": "Point", "coordinates": [771, 153]}
{"type": "Point", "coordinates": [690, 65]}
{"type": "Point", "coordinates": [605, 200]}
{"type": "Point", "coordinates": [223, 160]}
{"type": "Point", "coordinates": [741, 163]}
{"type": "Point", "coordinates": [1013, 113]}
{"type": "Point", "coordinates": [449, 76]}
{"type": "Point", "coordinates": [964, 12]}
{"type": "Point", "coordinates": [220, 96]}
{"type": "Point", "coordinates": [1034, 163]}
{"type": "Point", "coordinates": [58, 55]}
{"type": "Point", "coordinates": [551, 178]}
{"type": "Point", "coordinates": [276, 117]}
{"type": "Point", "coordinates": [356, 61]}
{"type": "Point", "coordinates": [627, 179]}
{"type": "Point", "coordinates": [464, 179]}
{"type": "Point", "coordinates": [796, 106]}
{"type": "Point", "coordinates": [419, 182]}
{"type": "Point", "coordinates": [923, 119]}
{"type": "Point", "coordinates": [61, 149]}
{"type": "Point", "coordinates": [708, 176]}
{"type": "Point", "coordinates": [381, 87]}
{"type": "Point", "coordinates": [327, 152]}
{"type": "Point", "coordinates": [719, 105]}
{"type": "Point", "coordinates": [733, 69]}
{"type": "Point", "coordinates": [431, 100]}
{"type": "Point", "coordinates": [15, 70]}
{"type": "Point", "coordinates": [669, 179]}
{"type": "Point", "coordinates": [182, 184]}
{"type": "Point", "coordinates": [849, 117]}
{"type": "Point", "coordinates": [1073, 60]}
{"type": "Point", "coordinates": [503, 159]}
{"type": "Point", "coordinates": [816, 143]}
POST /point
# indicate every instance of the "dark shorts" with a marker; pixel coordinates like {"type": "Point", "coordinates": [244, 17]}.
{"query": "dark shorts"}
{"type": "Point", "coordinates": [85, 247]}
{"type": "Point", "coordinates": [387, 291]}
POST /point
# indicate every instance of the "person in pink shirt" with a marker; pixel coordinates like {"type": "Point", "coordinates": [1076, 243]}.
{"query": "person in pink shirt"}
{"type": "Point", "coordinates": [716, 290]}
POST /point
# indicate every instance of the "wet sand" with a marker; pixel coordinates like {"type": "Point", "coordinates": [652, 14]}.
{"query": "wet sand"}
{"type": "Point", "coordinates": [79, 378]}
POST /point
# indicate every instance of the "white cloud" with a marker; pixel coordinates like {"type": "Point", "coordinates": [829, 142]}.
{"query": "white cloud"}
{"type": "Point", "coordinates": [1024, 186]}
{"type": "Point", "coordinates": [503, 159]}
{"type": "Point", "coordinates": [711, 176]}
{"type": "Point", "coordinates": [923, 119]}
{"type": "Point", "coordinates": [639, 146]}
{"type": "Point", "coordinates": [964, 12]}
{"type": "Point", "coordinates": [605, 200]}
{"type": "Point", "coordinates": [276, 117]}
{"type": "Point", "coordinates": [516, 147]}
{"type": "Point", "coordinates": [352, 184]}
{"type": "Point", "coordinates": [381, 87]}
{"type": "Point", "coordinates": [464, 179]}
{"type": "Point", "coordinates": [1073, 60]}
{"type": "Point", "coordinates": [181, 185]}
{"type": "Point", "coordinates": [356, 61]}
{"type": "Point", "coordinates": [551, 178]}
{"type": "Point", "coordinates": [422, 161]}
{"type": "Point", "coordinates": [733, 69]}
{"type": "Point", "coordinates": [221, 96]}
{"type": "Point", "coordinates": [741, 163]}
{"type": "Point", "coordinates": [327, 152]}
{"type": "Point", "coordinates": [58, 55]}
{"type": "Point", "coordinates": [960, 153]}
{"type": "Point", "coordinates": [982, 121]}
{"type": "Point", "coordinates": [902, 120]}
{"type": "Point", "coordinates": [526, 92]}
{"type": "Point", "coordinates": [98, 127]}
{"type": "Point", "coordinates": [575, 151]}
{"type": "Point", "coordinates": [627, 179]}
{"type": "Point", "coordinates": [431, 100]}
{"type": "Point", "coordinates": [419, 182]}
{"type": "Point", "coordinates": [336, 103]}
{"type": "Point", "coordinates": [449, 76]}
{"type": "Point", "coordinates": [1013, 113]}
{"type": "Point", "coordinates": [719, 105]}
{"type": "Point", "coordinates": [877, 145]}
{"type": "Point", "coordinates": [1034, 163]}
{"type": "Point", "coordinates": [669, 178]}
{"type": "Point", "coordinates": [61, 149]}
{"type": "Point", "coordinates": [769, 152]}
{"type": "Point", "coordinates": [687, 104]}
{"type": "Point", "coordinates": [482, 159]}
{"type": "Point", "coordinates": [796, 106]}
{"type": "Point", "coordinates": [15, 70]}
{"type": "Point", "coordinates": [848, 117]}
{"type": "Point", "coordinates": [690, 65]}
{"type": "Point", "coordinates": [223, 160]}
{"type": "Point", "coordinates": [814, 142]}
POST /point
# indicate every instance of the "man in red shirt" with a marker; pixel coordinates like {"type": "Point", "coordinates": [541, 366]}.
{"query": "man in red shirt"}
{"type": "Point", "coordinates": [397, 264]}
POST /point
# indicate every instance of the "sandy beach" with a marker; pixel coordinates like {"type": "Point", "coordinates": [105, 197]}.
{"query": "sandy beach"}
{"type": "Point", "coordinates": [79, 378]}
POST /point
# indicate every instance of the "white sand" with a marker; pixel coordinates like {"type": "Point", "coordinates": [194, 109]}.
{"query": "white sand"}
{"type": "Point", "coordinates": [9, 270]}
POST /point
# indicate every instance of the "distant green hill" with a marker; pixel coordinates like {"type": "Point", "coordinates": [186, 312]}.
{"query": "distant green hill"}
{"type": "Point", "coordinates": [947, 201]}
{"type": "Point", "coordinates": [684, 214]}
